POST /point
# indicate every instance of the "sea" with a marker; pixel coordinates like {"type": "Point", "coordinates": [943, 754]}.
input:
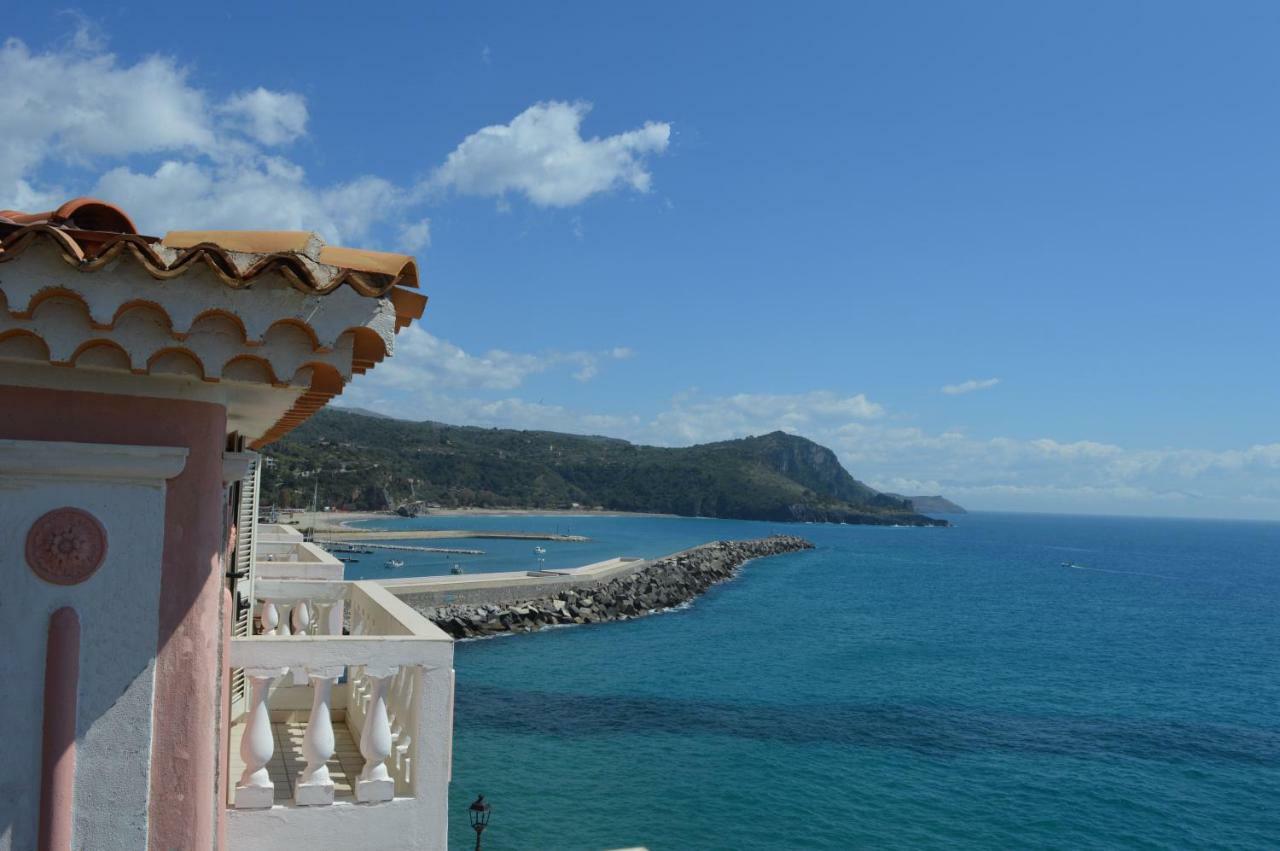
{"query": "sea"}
{"type": "Point", "coordinates": [1013, 681]}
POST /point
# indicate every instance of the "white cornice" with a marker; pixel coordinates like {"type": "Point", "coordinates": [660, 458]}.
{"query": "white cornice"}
{"type": "Point", "coordinates": [55, 459]}
{"type": "Point", "coordinates": [235, 465]}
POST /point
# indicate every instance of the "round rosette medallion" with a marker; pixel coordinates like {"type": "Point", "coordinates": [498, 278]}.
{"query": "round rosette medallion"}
{"type": "Point", "coordinates": [66, 546]}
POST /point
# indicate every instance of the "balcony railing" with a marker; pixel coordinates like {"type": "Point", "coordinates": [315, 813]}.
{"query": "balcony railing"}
{"type": "Point", "coordinates": [387, 686]}
{"type": "Point", "coordinates": [282, 553]}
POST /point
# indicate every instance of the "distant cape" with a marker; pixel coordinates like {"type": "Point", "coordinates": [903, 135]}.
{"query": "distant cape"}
{"type": "Point", "coordinates": [932, 504]}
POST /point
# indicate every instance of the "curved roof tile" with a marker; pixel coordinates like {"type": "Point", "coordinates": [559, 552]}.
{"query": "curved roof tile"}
{"type": "Point", "coordinates": [91, 233]}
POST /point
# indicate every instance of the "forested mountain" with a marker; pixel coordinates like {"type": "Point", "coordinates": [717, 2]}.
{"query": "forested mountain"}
{"type": "Point", "coordinates": [356, 461]}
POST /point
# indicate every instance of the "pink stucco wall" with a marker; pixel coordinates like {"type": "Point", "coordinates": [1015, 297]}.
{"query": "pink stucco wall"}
{"type": "Point", "coordinates": [186, 752]}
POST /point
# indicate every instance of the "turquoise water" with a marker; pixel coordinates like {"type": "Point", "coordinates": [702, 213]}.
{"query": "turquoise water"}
{"type": "Point", "coordinates": [897, 688]}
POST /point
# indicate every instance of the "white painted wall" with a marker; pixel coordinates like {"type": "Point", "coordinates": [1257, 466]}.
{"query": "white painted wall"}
{"type": "Point", "coordinates": [118, 607]}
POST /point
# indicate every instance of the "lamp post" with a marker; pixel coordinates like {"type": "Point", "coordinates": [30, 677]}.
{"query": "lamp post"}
{"type": "Point", "coordinates": [479, 812]}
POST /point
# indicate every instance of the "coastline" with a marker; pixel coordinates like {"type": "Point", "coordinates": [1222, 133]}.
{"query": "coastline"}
{"type": "Point", "coordinates": [340, 521]}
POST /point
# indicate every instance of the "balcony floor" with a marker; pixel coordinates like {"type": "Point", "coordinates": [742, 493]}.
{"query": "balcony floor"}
{"type": "Point", "coordinates": [287, 762]}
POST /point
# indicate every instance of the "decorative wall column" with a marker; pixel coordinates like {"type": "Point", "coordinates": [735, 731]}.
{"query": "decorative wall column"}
{"type": "Point", "coordinates": [58, 777]}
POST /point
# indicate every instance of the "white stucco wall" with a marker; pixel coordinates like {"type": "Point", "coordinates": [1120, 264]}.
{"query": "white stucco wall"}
{"type": "Point", "coordinates": [118, 610]}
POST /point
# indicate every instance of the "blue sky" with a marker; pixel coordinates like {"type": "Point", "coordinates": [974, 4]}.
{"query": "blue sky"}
{"type": "Point", "coordinates": [1022, 254]}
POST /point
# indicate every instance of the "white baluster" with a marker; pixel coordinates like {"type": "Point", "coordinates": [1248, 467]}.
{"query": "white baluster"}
{"type": "Point", "coordinates": [314, 786]}
{"type": "Point", "coordinates": [355, 706]}
{"type": "Point", "coordinates": [394, 693]}
{"type": "Point", "coordinates": [270, 617]}
{"type": "Point", "coordinates": [301, 624]}
{"type": "Point", "coordinates": [285, 618]}
{"type": "Point", "coordinates": [335, 617]}
{"type": "Point", "coordinates": [406, 716]}
{"type": "Point", "coordinates": [374, 783]}
{"type": "Point", "coordinates": [255, 789]}
{"type": "Point", "coordinates": [302, 618]}
{"type": "Point", "coordinates": [323, 619]}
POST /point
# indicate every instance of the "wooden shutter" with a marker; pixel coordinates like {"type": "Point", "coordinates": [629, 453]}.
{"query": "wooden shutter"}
{"type": "Point", "coordinates": [245, 555]}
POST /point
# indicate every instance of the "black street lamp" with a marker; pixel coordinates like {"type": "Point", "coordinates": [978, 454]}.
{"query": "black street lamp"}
{"type": "Point", "coordinates": [479, 812]}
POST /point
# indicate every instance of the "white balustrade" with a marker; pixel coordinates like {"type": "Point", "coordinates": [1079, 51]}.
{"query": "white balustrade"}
{"type": "Point", "coordinates": [396, 700]}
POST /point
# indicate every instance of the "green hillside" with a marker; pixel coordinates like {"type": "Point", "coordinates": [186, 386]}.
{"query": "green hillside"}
{"type": "Point", "coordinates": [362, 462]}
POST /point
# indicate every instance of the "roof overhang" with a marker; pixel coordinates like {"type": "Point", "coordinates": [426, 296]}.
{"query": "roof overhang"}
{"type": "Point", "coordinates": [270, 323]}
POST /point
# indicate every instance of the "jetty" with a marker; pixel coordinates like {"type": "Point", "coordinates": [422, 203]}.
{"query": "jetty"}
{"type": "Point", "coordinates": [506, 586]}
{"type": "Point", "coordinates": [405, 547]}
{"type": "Point", "coordinates": [362, 536]}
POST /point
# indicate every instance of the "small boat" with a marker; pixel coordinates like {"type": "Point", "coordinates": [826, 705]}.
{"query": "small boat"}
{"type": "Point", "coordinates": [393, 562]}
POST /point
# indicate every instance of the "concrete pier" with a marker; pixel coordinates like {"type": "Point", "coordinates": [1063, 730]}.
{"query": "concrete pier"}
{"type": "Point", "coordinates": [507, 586]}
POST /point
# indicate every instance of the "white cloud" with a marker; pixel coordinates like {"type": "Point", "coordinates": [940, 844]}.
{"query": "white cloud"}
{"type": "Point", "coordinates": [272, 118]}
{"type": "Point", "coordinates": [424, 361]}
{"type": "Point", "coordinates": [416, 235]}
{"type": "Point", "coordinates": [694, 419]}
{"type": "Point", "coordinates": [78, 103]}
{"type": "Point", "coordinates": [999, 473]}
{"type": "Point", "coordinates": [79, 121]}
{"type": "Point", "coordinates": [969, 386]}
{"type": "Point", "coordinates": [259, 192]}
{"type": "Point", "coordinates": [541, 154]}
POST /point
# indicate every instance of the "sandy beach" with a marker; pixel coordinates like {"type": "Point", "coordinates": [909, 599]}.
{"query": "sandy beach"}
{"type": "Point", "coordinates": [340, 521]}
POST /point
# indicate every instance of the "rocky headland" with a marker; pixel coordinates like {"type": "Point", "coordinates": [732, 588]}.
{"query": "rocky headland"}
{"type": "Point", "coordinates": [660, 584]}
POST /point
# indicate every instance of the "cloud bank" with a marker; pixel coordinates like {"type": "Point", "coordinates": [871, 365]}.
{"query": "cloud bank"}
{"type": "Point", "coordinates": [1000, 473]}
{"type": "Point", "coordinates": [145, 136]}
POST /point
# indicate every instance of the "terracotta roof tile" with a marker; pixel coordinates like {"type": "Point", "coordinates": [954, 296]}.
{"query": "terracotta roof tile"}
{"type": "Point", "coordinates": [91, 234]}
{"type": "Point", "coordinates": [78, 213]}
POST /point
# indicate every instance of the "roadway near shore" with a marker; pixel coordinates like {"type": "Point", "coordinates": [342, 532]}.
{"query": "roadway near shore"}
{"type": "Point", "coordinates": [355, 536]}
{"type": "Point", "coordinates": [335, 526]}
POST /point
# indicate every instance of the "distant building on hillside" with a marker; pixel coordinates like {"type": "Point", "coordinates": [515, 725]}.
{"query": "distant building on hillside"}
{"type": "Point", "coordinates": [145, 607]}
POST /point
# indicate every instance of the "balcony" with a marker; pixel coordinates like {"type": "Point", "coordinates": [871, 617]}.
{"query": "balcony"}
{"type": "Point", "coordinates": [341, 738]}
{"type": "Point", "coordinates": [282, 553]}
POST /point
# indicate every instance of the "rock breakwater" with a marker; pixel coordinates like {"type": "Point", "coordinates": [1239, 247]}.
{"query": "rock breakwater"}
{"type": "Point", "coordinates": [660, 584]}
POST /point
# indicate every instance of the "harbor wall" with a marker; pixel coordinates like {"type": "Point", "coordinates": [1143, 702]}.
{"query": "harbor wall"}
{"type": "Point", "coordinates": [651, 587]}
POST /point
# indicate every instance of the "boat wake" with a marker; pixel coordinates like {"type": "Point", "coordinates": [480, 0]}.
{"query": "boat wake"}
{"type": "Point", "coordinates": [1074, 566]}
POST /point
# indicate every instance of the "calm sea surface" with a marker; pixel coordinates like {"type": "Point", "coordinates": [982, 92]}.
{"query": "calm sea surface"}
{"type": "Point", "coordinates": [895, 688]}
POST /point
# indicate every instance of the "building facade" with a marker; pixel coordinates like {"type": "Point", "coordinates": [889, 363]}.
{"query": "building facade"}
{"type": "Point", "coordinates": [166, 641]}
